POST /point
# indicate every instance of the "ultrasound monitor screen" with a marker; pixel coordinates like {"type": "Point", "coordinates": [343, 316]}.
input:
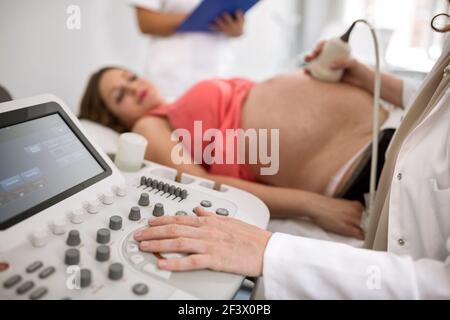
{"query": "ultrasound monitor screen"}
{"type": "Point", "coordinates": [40, 159]}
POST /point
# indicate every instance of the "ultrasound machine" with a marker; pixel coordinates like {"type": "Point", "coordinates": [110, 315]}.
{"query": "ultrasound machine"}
{"type": "Point", "coordinates": [68, 215]}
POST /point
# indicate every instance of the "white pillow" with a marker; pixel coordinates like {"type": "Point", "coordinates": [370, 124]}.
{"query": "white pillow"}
{"type": "Point", "coordinates": [106, 138]}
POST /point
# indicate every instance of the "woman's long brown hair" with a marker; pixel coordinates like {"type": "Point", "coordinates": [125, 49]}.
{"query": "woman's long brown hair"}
{"type": "Point", "coordinates": [93, 106]}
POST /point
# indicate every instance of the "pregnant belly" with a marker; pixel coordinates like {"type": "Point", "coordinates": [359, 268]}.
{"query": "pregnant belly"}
{"type": "Point", "coordinates": [321, 126]}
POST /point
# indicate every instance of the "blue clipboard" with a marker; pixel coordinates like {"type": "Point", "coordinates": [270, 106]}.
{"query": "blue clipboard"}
{"type": "Point", "coordinates": [205, 14]}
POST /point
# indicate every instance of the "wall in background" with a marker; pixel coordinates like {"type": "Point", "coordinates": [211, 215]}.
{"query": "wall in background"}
{"type": "Point", "coordinates": [39, 54]}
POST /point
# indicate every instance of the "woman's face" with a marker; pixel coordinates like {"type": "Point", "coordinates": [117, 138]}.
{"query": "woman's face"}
{"type": "Point", "coordinates": [128, 96]}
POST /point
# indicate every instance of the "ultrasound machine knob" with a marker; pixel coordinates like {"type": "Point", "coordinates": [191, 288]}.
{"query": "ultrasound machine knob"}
{"type": "Point", "coordinates": [148, 182]}
{"type": "Point", "coordinates": [102, 253]}
{"type": "Point", "coordinates": [92, 207]}
{"type": "Point", "coordinates": [172, 190]}
{"type": "Point", "coordinates": [73, 239]}
{"type": "Point", "coordinates": [144, 199]}
{"type": "Point", "coordinates": [103, 236]}
{"type": "Point", "coordinates": [40, 238]}
{"type": "Point", "coordinates": [184, 194]}
{"type": "Point", "coordinates": [59, 226]}
{"type": "Point", "coordinates": [107, 198]}
{"type": "Point", "coordinates": [135, 214]}
{"type": "Point", "coordinates": [115, 271]}
{"type": "Point", "coordinates": [121, 190]}
{"type": "Point", "coordinates": [160, 185]}
{"type": "Point", "coordinates": [143, 181]}
{"type": "Point", "coordinates": [85, 278]}
{"type": "Point", "coordinates": [158, 210]}
{"type": "Point", "coordinates": [177, 192]}
{"type": "Point", "coordinates": [115, 223]}
{"type": "Point", "coordinates": [72, 257]}
{"type": "Point", "coordinates": [77, 216]}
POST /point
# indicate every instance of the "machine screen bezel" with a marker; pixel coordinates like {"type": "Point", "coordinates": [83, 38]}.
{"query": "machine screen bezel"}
{"type": "Point", "coordinates": [34, 112]}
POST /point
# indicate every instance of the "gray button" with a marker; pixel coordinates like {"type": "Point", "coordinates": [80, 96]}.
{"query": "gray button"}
{"type": "Point", "coordinates": [11, 282]}
{"type": "Point", "coordinates": [160, 186]}
{"type": "Point", "coordinates": [172, 190]}
{"type": "Point", "coordinates": [206, 204]}
{"type": "Point", "coordinates": [184, 194]}
{"type": "Point", "coordinates": [103, 236]}
{"type": "Point", "coordinates": [25, 287]}
{"type": "Point", "coordinates": [85, 278]}
{"type": "Point", "coordinates": [154, 184]}
{"type": "Point", "coordinates": [140, 289]}
{"type": "Point", "coordinates": [47, 272]}
{"type": "Point", "coordinates": [144, 199]}
{"type": "Point", "coordinates": [401, 242]}
{"type": "Point", "coordinates": [115, 223]}
{"type": "Point", "coordinates": [399, 176]}
{"type": "Point", "coordinates": [72, 257]}
{"type": "Point", "coordinates": [148, 182]}
{"type": "Point", "coordinates": [143, 180]}
{"type": "Point", "coordinates": [178, 192]}
{"type": "Point", "coordinates": [181, 213]}
{"type": "Point", "coordinates": [166, 187]}
{"type": "Point", "coordinates": [73, 239]}
{"type": "Point", "coordinates": [38, 293]}
{"type": "Point", "coordinates": [34, 266]}
{"type": "Point", "coordinates": [222, 212]}
{"type": "Point", "coordinates": [115, 271]}
{"type": "Point", "coordinates": [102, 253]}
{"type": "Point", "coordinates": [158, 210]}
{"type": "Point", "coordinates": [135, 214]}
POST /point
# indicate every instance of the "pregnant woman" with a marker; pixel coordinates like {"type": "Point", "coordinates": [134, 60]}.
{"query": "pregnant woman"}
{"type": "Point", "coordinates": [323, 129]}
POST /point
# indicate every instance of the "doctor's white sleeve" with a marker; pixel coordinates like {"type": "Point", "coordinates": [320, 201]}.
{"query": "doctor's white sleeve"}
{"type": "Point", "coordinates": [302, 268]}
{"type": "Point", "coordinates": [410, 90]}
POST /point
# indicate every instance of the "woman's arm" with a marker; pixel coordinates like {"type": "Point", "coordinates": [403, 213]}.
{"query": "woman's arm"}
{"type": "Point", "coordinates": [158, 24]}
{"type": "Point", "coordinates": [340, 216]}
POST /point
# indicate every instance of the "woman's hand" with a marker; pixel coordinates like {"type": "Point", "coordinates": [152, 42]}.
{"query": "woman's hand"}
{"type": "Point", "coordinates": [213, 242]}
{"type": "Point", "coordinates": [356, 73]}
{"type": "Point", "coordinates": [229, 25]}
{"type": "Point", "coordinates": [340, 216]}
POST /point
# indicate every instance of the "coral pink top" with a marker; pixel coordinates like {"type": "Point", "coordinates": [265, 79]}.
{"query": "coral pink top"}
{"type": "Point", "coordinates": [217, 104]}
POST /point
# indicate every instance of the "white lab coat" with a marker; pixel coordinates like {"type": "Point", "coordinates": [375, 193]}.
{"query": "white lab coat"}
{"type": "Point", "coordinates": [416, 264]}
{"type": "Point", "coordinates": [177, 62]}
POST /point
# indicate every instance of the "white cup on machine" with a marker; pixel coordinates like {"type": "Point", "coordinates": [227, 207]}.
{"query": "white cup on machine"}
{"type": "Point", "coordinates": [131, 152]}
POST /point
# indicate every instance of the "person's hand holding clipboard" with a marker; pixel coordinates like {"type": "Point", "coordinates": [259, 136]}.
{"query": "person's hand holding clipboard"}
{"type": "Point", "coordinates": [225, 16]}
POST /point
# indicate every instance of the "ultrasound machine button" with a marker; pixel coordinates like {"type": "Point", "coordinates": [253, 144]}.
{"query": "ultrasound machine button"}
{"type": "Point", "coordinates": [178, 192]}
{"type": "Point", "coordinates": [154, 184]}
{"type": "Point", "coordinates": [47, 272]}
{"type": "Point", "coordinates": [38, 293]}
{"type": "Point", "coordinates": [158, 210]}
{"type": "Point", "coordinates": [102, 254]}
{"type": "Point", "coordinates": [222, 212]}
{"type": "Point", "coordinates": [131, 247]}
{"type": "Point", "coordinates": [107, 198]}
{"type": "Point", "coordinates": [181, 213]}
{"type": "Point", "coordinates": [85, 278]}
{"type": "Point", "coordinates": [115, 271]}
{"type": "Point", "coordinates": [103, 236]}
{"type": "Point", "coordinates": [12, 281]}
{"type": "Point", "coordinates": [166, 188]}
{"type": "Point", "coordinates": [25, 287]}
{"type": "Point", "coordinates": [121, 190]}
{"type": "Point", "coordinates": [144, 200]}
{"type": "Point", "coordinates": [143, 180]}
{"type": "Point", "coordinates": [137, 259]}
{"type": "Point", "coordinates": [172, 189]}
{"type": "Point", "coordinates": [140, 289]}
{"type": "Point", "coordinates": [135, 214]}
{"type": "Point", "coordinates": [115, 223]}
{"type": "Point", "coordinates": [92, 207]}
{"type": "Point", "coordinates": [39, 238]}
{"type": "Point", "coordinates": [73, 239]}
{"type": "Point", "coordinates": [34, 266]}
{"type": "Point", "coordinates": [59, 226]}
{"type": "Point", "coordinates": [152, 269]}
{"type": "Point", "coordinates": [72, 257]}
{"type": "Point", "coordinates": [184, 194]}
{"type": "Point", "coordinates": [148, 182]}
{"type": "Point", "coordinates": [160, 186]}
{"type": "Point", "coordinates": [77, 216]}
{"type": "Point", "coordinates": [206, 204]}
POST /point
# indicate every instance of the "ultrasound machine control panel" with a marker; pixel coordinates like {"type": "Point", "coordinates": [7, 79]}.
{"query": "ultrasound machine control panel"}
{"type": "Point", "coordinates": [68, 215]}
